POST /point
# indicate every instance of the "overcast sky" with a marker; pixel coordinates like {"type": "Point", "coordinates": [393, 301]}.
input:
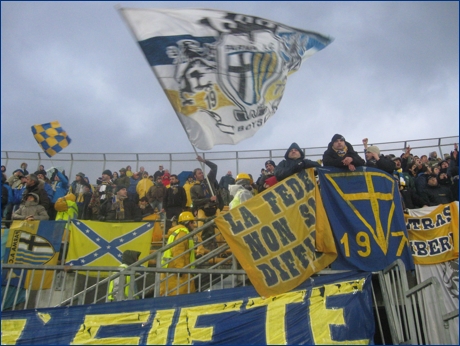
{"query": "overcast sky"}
{"type": "Point", "coordinates": [391, 74]}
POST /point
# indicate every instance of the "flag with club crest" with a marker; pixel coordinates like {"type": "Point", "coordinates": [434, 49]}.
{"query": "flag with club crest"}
{"type": "Point", "coordinates": [224, 73]}
{"type": "Point", "coordinates": [51, 137]}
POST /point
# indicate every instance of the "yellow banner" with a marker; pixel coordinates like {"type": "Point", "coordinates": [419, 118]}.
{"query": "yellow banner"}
{"type": "Point", "coordinates": [281, 236]}
{"type": "Point", "coordinates": [434, 237]}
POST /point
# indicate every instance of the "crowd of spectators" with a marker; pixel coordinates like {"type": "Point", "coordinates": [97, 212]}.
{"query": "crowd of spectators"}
{"type": "Point", "coordinates": [126, 195]}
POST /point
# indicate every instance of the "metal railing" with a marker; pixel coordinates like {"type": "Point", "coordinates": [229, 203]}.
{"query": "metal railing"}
{"type": "Point", "coordinates": [416, 315]}
{"type": "Point", "coordinates": [249, 161]}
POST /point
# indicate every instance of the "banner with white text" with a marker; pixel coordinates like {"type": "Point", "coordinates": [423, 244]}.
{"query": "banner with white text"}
{"type": "Point", "coordinates": [331, 309]}
{"type": "Point", "coordinates": [282, 235]}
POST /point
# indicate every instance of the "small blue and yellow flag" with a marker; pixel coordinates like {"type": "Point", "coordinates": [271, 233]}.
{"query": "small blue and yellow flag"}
{"type": "Point", "coordinates": [51, 137]}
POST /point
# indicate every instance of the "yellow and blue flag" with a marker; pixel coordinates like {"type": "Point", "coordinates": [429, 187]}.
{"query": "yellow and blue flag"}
{"type": "Point", "coordinates": [51, 137]}
{"type": "Point", "coordinates": [94, 243]}
{"type": "Point", "coordinates": [35, 243]}
{"type": "Point", "coordinates": [281, 236]}
{"type": "Point", "coordinates": [365, 211]}
{"type": "Point", "coordinates": [433, 233]}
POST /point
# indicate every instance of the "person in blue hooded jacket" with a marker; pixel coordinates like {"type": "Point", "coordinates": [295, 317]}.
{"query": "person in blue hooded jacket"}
{"type": "Point", "coordinates": [294, 161]}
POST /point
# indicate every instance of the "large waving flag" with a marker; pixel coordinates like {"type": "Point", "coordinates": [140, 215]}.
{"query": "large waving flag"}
{"type": "Point", "coordinates": [35, 243]}
{"type": "Point", "coordinates": [282, 236]}
{"type": "Point", "coordinates": [51, 137]}
{"type": "Point", "coordinates": [365, 211]}
{"type": "Point", "coordinates": [224, 73]}
{"type": "Point", "coordinates": [94, 243]}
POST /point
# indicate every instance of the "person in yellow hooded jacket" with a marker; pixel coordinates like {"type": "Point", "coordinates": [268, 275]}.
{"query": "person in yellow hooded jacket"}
{"type": "Point", "coordinates": [66, 209]}
{"type": "Point", "coordinates": [172, 283]}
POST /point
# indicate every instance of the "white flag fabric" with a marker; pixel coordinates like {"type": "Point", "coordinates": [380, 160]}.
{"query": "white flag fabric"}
{"type": "Point", "coordinates": [224, 73]}
{"type": "Point", "coordinates": [447, 275]}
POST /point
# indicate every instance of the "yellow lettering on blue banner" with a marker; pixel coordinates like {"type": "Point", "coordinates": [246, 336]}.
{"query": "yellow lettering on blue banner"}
{"type": "Point", "coordinates": [186, 332]}
{"type": "Point", "coordinates": [87, 334]}
{"type": "Point", "coordinates": [275, 326]}
{"type": "Point", "coordinates": [158, 334]}
{"type": "Point", "coordinates": [11, 330]}
{"type": "Point", "coordinates": [273, 235]}
{"type": "Point", "coordinates": [321, 317]}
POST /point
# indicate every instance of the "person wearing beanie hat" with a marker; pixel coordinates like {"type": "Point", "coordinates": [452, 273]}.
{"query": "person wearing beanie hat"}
{"type": "Point", "coordinates": [267, 174]}
{"type": "Point", "coordinates": [102, 194]}
{"type": "Point", "coordinates": [41, 175]}
{"type": "Point", "coordinates": [15, 179]}
{"type": "Point", "coordinates": [341, 154]}
{"type": "Point", "coordinates": [30, 209]}
{"type": "Point", "coordinates": [107, 172]}
{"type": "Point", "coordinates": [375, 160]}
{"type": "Point", "coordinates": [78, 189]}
{"type": "Point", "coordinates": [434, 193]}
{"type": "Point", "coordinates": [119, 207]}
{"type": "Point", "coordinates": [123, 179]}
{"type": "Point", "coordinates": [294, 161]}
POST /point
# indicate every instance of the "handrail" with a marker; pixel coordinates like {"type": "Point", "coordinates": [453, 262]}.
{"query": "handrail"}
{"type": "Point", "coordinates": [231, 159]}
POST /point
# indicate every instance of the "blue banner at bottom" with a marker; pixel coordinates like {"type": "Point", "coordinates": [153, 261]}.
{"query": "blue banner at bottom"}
{"type": "Point", "coordinates": [323, 310]}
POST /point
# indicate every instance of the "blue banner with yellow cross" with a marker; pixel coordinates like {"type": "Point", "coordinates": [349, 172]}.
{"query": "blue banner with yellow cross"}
{"type": "Point", "coordinates": [326, 310]}
{"type": "Point", "coordinates": [367, 219]}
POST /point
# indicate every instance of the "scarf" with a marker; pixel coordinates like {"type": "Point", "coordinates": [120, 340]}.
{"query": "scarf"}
{"type": "Point", "coordinates": [341, 153]}
{"type": "Point", "coordinates": [117, 205]}
{"type": "Point", "coordinates": [205, 189]}
{"type": "Point", "coordinates": [174, 188]}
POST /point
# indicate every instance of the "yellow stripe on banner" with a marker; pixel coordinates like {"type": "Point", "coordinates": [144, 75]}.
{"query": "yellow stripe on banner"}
{"type": "Point", "coordinates": [321, 317]}
{"type": "Point", "coordinates": [158, 334]}
{"type": "Point", "coordinates": [381, 238]}
{"type": "Point", "coordinates": [87, 334]}
{"type": "Point", "coordinates": [434, 237]}
{"type": "Point", "coordinates": [275, 327]}
{"type": "Point", "coordinates": [12, 330]}
{"type": "Point", "coordinates": [186, 332]}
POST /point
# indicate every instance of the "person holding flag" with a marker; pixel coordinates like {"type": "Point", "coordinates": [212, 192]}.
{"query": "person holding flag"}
{"type": "Point", "coordinates": [204, 197]}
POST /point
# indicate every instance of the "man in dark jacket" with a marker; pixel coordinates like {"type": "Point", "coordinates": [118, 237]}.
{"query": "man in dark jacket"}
{"type": "Point", "coordinates": [294, 161]}
{"type": "Point", "coordinates": [267, 178]}
{"type": "Point", "coordinates": [119, 207]}
{"type": "Point", "coordinates": [375, 160]}
{"type": "Point", "coordinates": [436, 194]}
{"type": "Point", "coordinates": [224, 183]}
{"type": "Point", "coordinates": [341, 154]}
{"type": "Point", "coordinates": [174, 200]}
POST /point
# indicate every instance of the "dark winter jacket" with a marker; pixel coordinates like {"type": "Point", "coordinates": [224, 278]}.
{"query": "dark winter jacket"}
{"type": "Point", "coordinates": [436, 195]}
{"type": "Point", "coordinates": [131, 211]}
{"type": "Point", "coordinates": [288, 166]}
{"type": "Point", "coordinates": [199, 199]}
{"type": "Point", "coordinates": [175, 197]}
{"type": "Point", "coordinates": [331, 158]}
{"type": "Point", "coordinates": [225, 181]}
{"type": "Point", "coordinates": [383, 164]}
